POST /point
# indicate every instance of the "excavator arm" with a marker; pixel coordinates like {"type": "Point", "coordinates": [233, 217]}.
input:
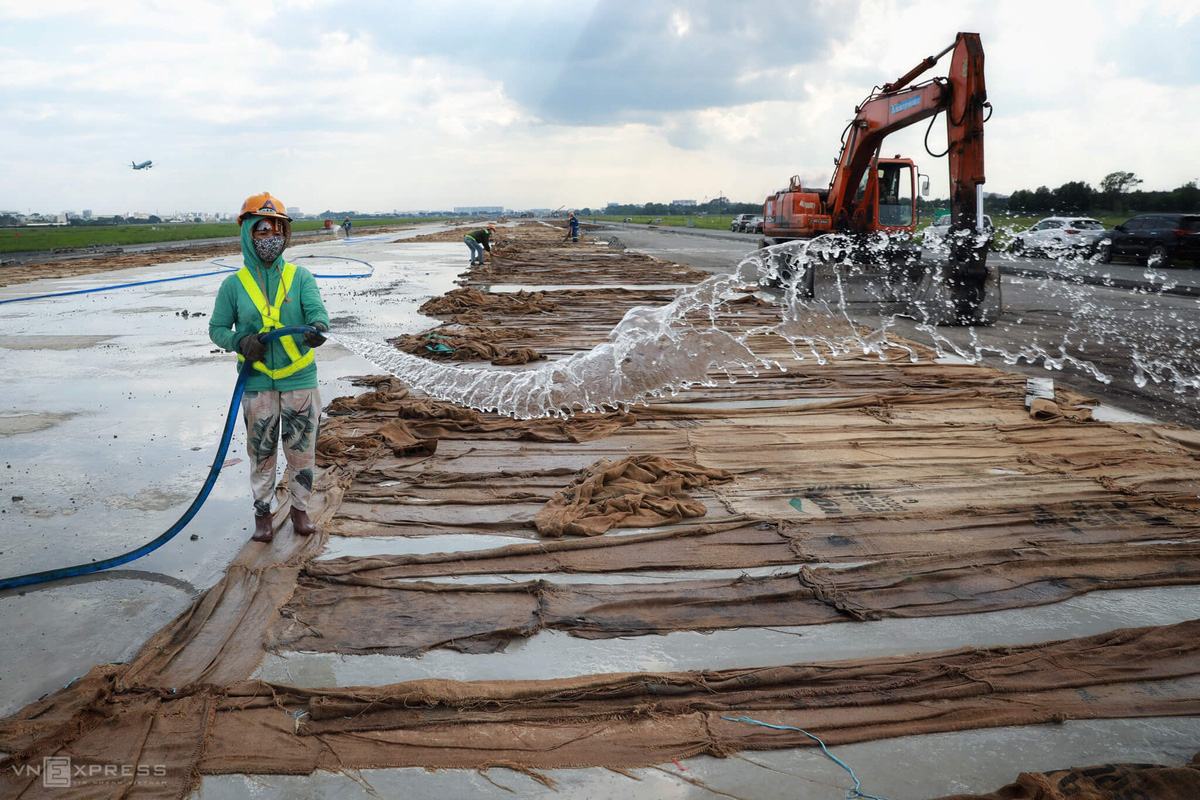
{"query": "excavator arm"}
{"type": "Point", "coordinates": [962, 95]}
{"type": "Point", "coordinates": [896, 106]}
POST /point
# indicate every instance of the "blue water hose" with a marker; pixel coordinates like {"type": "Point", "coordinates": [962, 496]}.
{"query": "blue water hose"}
{"type": "Point", "coordinates": [181, 523]}
{"type": "Point", "coordinates": [227, 269]}
{"type": "Point", "coordinates": [220, 263]}
{"type": "Point", "coordinates": [114, 286]}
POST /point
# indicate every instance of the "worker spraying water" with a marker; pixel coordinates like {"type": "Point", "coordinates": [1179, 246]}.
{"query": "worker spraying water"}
{"type": "Point", "coordinates": [270, 312]}
{"type": "Point", "coordinates": [281, 393]}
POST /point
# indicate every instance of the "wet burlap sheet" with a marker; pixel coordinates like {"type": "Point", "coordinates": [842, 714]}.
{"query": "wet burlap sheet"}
{"type": "Point", "coordinates": [538, 253]}
{"type": "Point", "coordinates": [470, 300]}
{"type": "Point", "coordinates": [615, 720]}
{"type": "Point", "coordinates": [470, 343]}
{"type": "Point", "coordinates": [632, 492]}
{"type": "Point", "coordinates": [386, 423]}
{"type": "Point", "coordinates": [1101, 782]}
{"type": "Point", "coordinates": [955, 455]}
{"type": "Point", "coordinates": [639, 719]}
{"type": "Point", "coordinates": [741, 543]}
{"type": "Point", "coordinates": [938, 475]}
{"type": "Point", "coordinates": [354, 613]}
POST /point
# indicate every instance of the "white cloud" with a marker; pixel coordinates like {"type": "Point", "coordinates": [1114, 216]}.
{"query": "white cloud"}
{"type": "Point", "coordinates": [377, 105]}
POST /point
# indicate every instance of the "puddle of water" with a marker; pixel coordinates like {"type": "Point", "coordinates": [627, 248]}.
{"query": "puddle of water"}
{"type": "Point", "coordinates": [13, 423]}
{"type": "Point", "coordinates": [51, 342]}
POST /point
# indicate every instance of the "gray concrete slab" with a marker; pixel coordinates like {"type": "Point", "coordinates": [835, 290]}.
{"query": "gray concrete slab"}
{"type": "Point", "coordinates": [114, 408]}
{"type": "Point", "coordinates": [115, 401]}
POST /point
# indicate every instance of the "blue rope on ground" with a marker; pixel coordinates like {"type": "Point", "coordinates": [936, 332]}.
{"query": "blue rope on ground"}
{"type": "Point", "coordinates": [218, 261]}
{"type": "Point", "coordinates": [166, 536]}
{"type": "Point", "coordinates": [850, 793]}
{"type": "Point", "coordinates": [110, 288]}
{"type": "Point", "coordinates": [227, 269]}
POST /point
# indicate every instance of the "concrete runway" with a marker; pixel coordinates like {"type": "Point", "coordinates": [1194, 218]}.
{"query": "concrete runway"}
{"type": "Point", "coordinates": [115, 404]}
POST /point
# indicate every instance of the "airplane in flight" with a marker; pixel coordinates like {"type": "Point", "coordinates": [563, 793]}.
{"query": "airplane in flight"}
{"type": "Point", "coordinates": [143, 165]}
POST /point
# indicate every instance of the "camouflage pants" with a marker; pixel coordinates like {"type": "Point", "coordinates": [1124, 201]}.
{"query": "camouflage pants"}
{"type": "Point", "coordinates": [299, 413]}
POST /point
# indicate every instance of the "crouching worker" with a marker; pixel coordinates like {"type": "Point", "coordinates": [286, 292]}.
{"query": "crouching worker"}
{"type": "Point", "coordinates": [281, 390]}
{"type": "Point", "coordinates": [478, 241]}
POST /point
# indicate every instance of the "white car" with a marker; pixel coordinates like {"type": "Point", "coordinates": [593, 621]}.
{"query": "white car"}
{"type": "Point", "coordinates": [933, 237]}
{"type": "Point", "coordinates": [1059, 235]}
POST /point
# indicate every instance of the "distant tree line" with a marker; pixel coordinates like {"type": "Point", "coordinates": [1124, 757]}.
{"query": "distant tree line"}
{"type": "Point", "coordinates": [1116, 195]}
{"type": "Point", "coordinates": [719, 206]}
{"type": "Point", "coordinates": [9, 221]}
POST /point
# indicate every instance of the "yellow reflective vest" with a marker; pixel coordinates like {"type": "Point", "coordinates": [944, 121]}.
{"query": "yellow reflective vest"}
{"type": "Point", "coordinates": [241, 309]}
{"type": "Point", "coordinates": [270, 316]}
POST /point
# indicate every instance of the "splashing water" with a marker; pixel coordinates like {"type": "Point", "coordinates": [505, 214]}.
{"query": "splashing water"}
{"type": "Point", "coordinates": [654, 352]}
{"type": "Point", "coordinates": [651, 352]}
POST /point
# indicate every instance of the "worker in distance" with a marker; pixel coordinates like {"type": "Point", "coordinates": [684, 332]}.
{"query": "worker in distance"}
{"type": "Point", "coordinates": [281, 393]}
{"type": "Point", "coordinates": [478, 241]}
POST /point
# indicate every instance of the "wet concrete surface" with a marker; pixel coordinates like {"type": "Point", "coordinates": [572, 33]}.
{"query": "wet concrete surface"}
{"type": "Point", "coordinates": [133, 420]}
{"type": "Point", "coordinates": [115, 404]}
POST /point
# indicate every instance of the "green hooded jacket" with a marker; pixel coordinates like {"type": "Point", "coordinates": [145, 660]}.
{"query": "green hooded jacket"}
{"type": "Point", "coordinates": [235, 316]}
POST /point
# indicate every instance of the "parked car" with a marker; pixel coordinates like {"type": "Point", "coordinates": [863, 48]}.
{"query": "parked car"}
{"type": "Point", "coordinates": [739, 222]}
{"type": "Point", "coordinates": [932, 237]}
{"type": "Point", "coordinates": [1158, 240]}
{"type": "Point", "coordinates": [1054, 236]}
{"type": "Point", "coordinates": [754, 225]}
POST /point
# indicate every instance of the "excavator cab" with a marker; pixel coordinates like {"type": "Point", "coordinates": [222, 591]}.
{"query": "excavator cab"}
{"type": "Point", "coordinates": [896, 179]}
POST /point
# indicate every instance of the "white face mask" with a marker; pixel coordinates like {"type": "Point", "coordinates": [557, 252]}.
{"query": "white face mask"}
{"type": "Point", "coordinates": [269, 249]}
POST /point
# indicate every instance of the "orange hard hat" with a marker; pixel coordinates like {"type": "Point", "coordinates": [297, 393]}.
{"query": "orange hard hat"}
{"type": "Point", "coordinates": [263, 205]}
{"type": "Point", "coordinates": [492, 228]}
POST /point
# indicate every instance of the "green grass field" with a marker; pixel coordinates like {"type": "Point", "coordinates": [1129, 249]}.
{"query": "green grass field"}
{"type": "Point", "coordinates": [19, 240]}
{"type": "Point", "coordinates": [16, 240]}
{"type": "Point", "coordinates": [712, 223]}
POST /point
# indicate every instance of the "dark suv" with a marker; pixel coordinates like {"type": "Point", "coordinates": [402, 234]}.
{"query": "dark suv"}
{"type": "Point", "coordinates": [1153, 239]}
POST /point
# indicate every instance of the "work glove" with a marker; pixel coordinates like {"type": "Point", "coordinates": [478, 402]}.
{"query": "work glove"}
{"type": "Point", "coordinates": [314, 338]}
{"type": "Point", "coordinates": [252, 348]}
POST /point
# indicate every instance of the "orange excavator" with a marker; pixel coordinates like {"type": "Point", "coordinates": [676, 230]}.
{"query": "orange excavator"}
{"type": "Point", "coordinates": [870, 195]}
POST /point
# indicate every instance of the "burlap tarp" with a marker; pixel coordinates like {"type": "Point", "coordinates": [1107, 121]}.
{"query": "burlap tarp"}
{"type": "Point", "coordinates": [634, 492]}
{"type": "Point", "coordinates": [354, 613]}
{"type": "Point", "coordinates": [472, 301]}
{"type": "Point", "coordinates": [637, 719]}
{"type": "Point", "coordinates": [616, 720]}
{"type": "Point", "coordinates": [877, 488]}
{"type": "Point", "coordinates": [739, 543]}
{"type": "Point", "coordinates": [466, 343]}
{"type": "Point", "coordinates": [1101, 782]}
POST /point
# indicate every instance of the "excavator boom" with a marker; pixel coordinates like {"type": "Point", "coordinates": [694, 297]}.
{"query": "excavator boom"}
{"type": "Point", "coordinates": [965, 291]}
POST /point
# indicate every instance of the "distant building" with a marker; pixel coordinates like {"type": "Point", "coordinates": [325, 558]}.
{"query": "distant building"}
{"type": "Point", "coordinates": [87, 213]}
{"type": "Point", "coordinates": [683, 203]}
{"type": "Point", "coordinates": [293, 211]}
{"type": "Point", "coordinates": [479, 209]}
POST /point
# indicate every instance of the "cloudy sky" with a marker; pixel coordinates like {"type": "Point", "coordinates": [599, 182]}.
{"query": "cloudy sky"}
{"type": "Point", "coordinates": [380, 104]}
